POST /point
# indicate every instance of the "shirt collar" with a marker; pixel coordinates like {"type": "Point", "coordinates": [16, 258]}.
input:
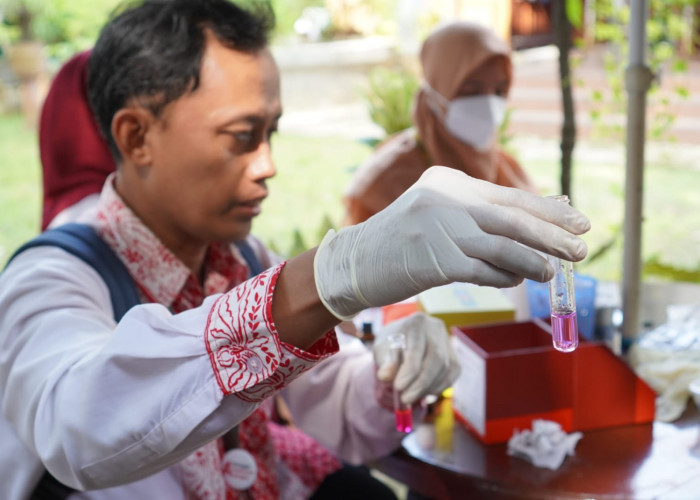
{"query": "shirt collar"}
{"type": "Point", "coordinates": [160, 275]}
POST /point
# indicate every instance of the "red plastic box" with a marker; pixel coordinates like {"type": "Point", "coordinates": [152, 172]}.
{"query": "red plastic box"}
{"type": "Point", "coordinates": [512, 375]}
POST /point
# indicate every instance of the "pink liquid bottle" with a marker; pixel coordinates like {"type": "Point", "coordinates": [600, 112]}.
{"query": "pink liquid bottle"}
{"type": "Point", "coordinates": [402, 411]}
{"type": "Point", "coordinates": [562, 302]}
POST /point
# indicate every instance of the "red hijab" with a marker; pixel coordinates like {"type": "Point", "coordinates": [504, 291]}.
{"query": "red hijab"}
{"type": "Point", "coordinates": [75, 158]}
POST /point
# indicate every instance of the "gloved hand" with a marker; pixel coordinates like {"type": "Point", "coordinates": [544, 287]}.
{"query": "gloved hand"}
{"type": "Point", "coordinates": [446, 227]}
{"type": "Point", "coordinates": [429, 364]}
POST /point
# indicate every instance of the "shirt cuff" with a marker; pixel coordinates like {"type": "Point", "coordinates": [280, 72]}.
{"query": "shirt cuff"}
{"type": "Point", "coordinates": [246, 354]}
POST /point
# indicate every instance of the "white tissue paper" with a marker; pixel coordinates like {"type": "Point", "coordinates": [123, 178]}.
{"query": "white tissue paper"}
{"type": "Point", "coordinates": [546, 445]}
{"type": "Point", "coordinates": [668, 359]}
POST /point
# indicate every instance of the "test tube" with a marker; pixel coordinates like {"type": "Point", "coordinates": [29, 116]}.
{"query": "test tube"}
{"type": "Point", "coordinates": [402, 411]}
{"type": "Point", "coordinates": [562, 301]}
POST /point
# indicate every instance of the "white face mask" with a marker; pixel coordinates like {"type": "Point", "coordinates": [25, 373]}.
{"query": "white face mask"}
{"type": "Point", "coordinates": [475, 120]}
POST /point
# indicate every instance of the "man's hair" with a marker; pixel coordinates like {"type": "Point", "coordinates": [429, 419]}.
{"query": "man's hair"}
{"type": "Point", "coordinates": [151, 51]}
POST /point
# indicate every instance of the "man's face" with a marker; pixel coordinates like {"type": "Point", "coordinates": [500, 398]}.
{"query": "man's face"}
{"type": "Point", "coordinates": [211, 150]}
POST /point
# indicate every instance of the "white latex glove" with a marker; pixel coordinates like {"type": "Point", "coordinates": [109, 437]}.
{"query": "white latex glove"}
{"type": "Point", "coordinates": [446, 227]}
{"type": "Point", "coordinates": [429, 364]}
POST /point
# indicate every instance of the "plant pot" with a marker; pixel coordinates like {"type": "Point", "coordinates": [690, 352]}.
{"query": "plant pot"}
{"type": "Point", "coordinates": [27, 60]}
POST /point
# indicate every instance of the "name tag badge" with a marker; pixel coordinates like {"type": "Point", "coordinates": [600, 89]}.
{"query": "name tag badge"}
{"type": "Point", "coordinates": [240, 469]}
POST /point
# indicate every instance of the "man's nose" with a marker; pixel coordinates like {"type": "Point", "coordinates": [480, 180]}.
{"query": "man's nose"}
{"type": "Point", "coordinates": [262, 167]}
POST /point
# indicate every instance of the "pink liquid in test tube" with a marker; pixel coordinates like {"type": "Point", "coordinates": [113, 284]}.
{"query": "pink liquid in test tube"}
{"type": "Point", "coordinates": [565, 331]}
{"type": "Point", "coordinates": [404, 420]}
{"type": "Point", "coordinates": [402, 411]}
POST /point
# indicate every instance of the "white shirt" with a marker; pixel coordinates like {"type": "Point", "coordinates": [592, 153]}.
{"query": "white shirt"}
{"type": "Point", "coordinates": [105, 404]}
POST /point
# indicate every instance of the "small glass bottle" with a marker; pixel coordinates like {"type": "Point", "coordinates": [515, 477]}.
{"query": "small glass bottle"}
{"type": "Point", "coordinates": [402, 411]}
{"type": "Point", "coordinates": [562, 301]}
{"type": "Point", "coordinates": [367, 335]}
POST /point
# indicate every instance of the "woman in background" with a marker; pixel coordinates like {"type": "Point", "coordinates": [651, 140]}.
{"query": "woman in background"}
{"type": "Point", "coordinates": [457, 113]}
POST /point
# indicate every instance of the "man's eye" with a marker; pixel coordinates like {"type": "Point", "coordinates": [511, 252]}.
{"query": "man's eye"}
{"type": "Point", "coordinates": [241, 142]}
{"type": "Point", "coordinates": [243, 137]}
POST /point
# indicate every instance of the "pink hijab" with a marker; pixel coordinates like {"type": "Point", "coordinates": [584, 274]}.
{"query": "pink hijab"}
{"type": "Point", "coordinates": [448, 57]}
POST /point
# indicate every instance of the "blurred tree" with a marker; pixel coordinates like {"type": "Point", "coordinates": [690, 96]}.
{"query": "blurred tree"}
{"type": "Point", "coordinates": [18, 16]}
{"type": "Point", "coordinates": [566, 14]}
{"type": "Point", "coordinates": [63, 26]}
{"type": "Point", "coordinates": [671, 31]}
{"type": "Point", "coordinates": [288, 11]}
{"type": "Point", "coordinates": [362, 17]}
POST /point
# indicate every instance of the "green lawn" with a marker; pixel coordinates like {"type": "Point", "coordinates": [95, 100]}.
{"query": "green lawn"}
{"type": "Point", "coordinates": [671, 228]}
{"type": "Point", "coordinates": [20, 184]}
{"type": "Point", "coordinates": [312, 173]}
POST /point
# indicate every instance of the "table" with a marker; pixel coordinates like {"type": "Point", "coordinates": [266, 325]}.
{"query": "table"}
{"type": "Point", "coordinates": [645, 461]}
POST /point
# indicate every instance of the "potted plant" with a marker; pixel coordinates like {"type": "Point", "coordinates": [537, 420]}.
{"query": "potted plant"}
{"type": "Point", "coordinates": [25, 54]}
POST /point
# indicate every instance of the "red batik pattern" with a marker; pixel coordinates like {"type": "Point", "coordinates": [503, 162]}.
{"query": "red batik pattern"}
{"type": "Point", "coordinates": [203, 472]}
{"type": "Point", "coordinates": [306, 459]}
{"type": "Point", "coordinates": [223, 272]}
{"type": "Point", "coordinates": [202, 475]}
{"type": "Point", "coordinates": [243, 346]}
{"type": "Point", "coordinates": [158, 273]}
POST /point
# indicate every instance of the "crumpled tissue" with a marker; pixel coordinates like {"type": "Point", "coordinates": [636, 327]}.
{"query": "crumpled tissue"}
{"type": "Point", "coordinates": [546, 445]}
{"type": "Point", "coordinates": [668, 359]}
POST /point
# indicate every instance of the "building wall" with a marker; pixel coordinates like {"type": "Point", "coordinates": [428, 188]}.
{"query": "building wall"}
{"type": "Point", "coordinates": [496, 14]}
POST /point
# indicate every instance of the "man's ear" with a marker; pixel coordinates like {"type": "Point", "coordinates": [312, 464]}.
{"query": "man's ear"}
{"type": "Point", "coordinates": [129, 128]}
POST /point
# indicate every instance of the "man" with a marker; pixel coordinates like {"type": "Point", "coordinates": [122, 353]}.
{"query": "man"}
{"type": "Point", "coordinates": [76, 162]}
{"type": "Point", "coordinates": [187, 94]}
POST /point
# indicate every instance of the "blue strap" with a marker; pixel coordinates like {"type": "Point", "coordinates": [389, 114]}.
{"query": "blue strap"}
{"type": "Point", "coordinates": [83, 241]}
{"type": "Point", "coordinates": [251, 259]}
